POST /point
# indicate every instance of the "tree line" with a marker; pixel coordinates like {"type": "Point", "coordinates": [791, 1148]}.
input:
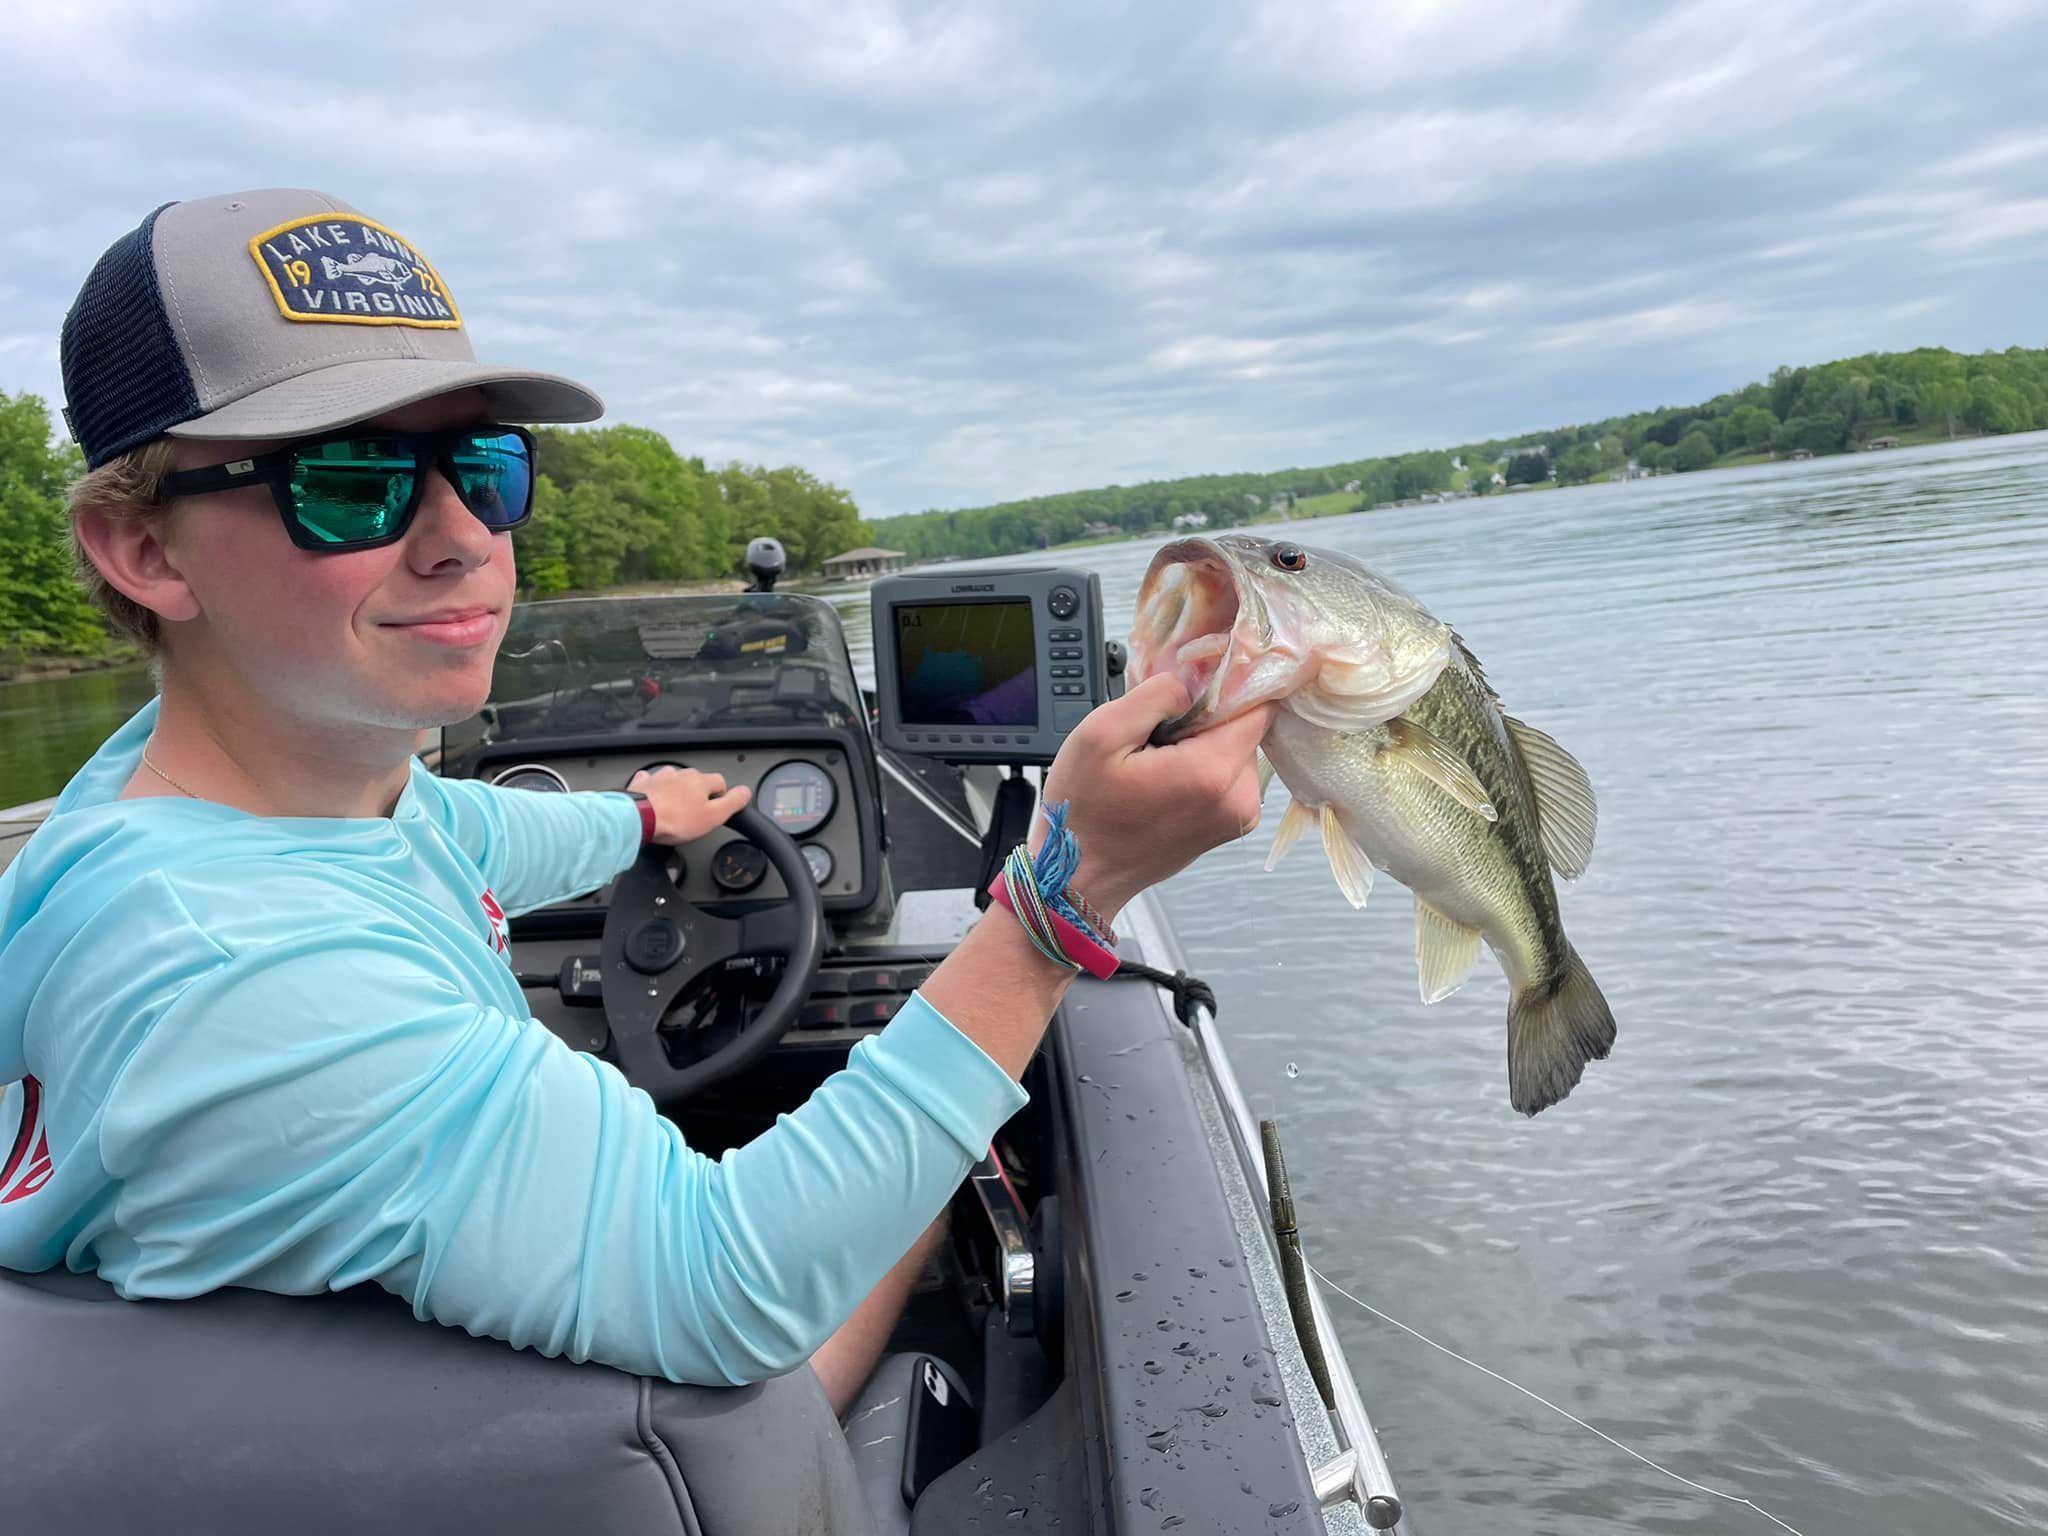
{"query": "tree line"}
{"type": "Point", "coordinates": [617, 506]}
{"type": "Point", "coordinates": [1830, 408]}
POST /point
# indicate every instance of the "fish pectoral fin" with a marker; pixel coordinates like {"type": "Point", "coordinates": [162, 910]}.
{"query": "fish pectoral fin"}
{"type": "Point", "coordinates": [1445, 952]}
{"type": "Point", "coordinates": [1428, 756]}
{"type": "Point", "coordinates": [1296, 821]}
{"type": "Point", "coordinates": [1566, 812]}
{"type": "Point", "coordinates": [1265, 765]}
{"type": "Point", "coordinates": [1347, 860]}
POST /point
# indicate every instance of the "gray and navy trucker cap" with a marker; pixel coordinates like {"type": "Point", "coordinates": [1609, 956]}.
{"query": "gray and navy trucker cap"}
{"type": "Point", "coordinates": [272, 314]}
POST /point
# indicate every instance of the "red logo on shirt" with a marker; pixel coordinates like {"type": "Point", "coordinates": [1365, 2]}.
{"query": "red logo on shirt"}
{"type": "Point", "coordinates": [39, 1168]}
{"type": "Point", "coordinates": [496, 915]}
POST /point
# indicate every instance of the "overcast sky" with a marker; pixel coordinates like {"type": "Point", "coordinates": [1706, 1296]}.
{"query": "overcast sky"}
{"type": "Point", "coordinates": [947, 254]}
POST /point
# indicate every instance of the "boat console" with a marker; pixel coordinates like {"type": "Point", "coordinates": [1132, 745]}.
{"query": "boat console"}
{"type": "Point", "coordinates": [1104, 1344]}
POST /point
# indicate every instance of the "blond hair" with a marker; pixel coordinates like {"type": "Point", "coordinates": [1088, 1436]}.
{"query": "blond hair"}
{"type": "Point", "coordinates": [129, 486]}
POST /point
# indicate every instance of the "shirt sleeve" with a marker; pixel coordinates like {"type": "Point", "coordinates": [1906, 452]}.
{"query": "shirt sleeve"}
{"type": "Point", "coordinates": [472, 1163]}
{"type": "Point", "coordinates": [537, 848]}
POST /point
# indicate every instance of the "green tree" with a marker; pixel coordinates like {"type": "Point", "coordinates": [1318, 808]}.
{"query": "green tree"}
{"type": "Point", "coordinates": [1751, 426]}
{"type": "Point", "coordinates": [1578, 464]}
{"type": "Point", "coordinates": [43, 609]}
{"type": "Point", "coordinates": [1694, 451]}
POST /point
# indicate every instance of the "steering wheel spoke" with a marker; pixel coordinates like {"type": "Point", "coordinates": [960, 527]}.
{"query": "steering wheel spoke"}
{"type": "Point", "coordinates": [657, 945]}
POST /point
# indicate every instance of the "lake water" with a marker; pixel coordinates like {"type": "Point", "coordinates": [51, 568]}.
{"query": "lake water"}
{"type": "Point", "coordinates": [1792, 1239]}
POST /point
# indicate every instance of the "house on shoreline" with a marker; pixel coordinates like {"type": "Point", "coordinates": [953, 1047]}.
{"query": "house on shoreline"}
{"type": "Point", "coordinates": [867, 561]}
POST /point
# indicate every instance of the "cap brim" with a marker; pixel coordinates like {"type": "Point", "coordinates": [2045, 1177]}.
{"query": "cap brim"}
{"type": "Point", "coordinates": [347, 393]}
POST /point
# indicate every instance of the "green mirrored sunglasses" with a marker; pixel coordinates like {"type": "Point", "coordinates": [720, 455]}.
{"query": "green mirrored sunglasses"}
{"type": "Point", "coordinates": [359, 489]}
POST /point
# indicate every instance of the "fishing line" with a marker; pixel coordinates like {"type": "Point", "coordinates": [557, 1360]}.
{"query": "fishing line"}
{"type": "Point", "coordinates": [1732, 1498]}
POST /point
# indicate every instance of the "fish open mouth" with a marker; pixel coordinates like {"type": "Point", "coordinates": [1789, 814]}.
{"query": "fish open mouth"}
{"type": "Point", "coordinates": [1186, 624]}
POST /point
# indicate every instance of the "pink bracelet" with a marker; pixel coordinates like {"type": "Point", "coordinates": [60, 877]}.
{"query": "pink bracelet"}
{"type": "Point", "coordinates": [1079, 947]}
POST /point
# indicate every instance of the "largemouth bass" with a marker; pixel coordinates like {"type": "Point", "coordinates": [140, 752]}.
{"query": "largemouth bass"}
{"type": "Point", "coordinates": [1396, 752]}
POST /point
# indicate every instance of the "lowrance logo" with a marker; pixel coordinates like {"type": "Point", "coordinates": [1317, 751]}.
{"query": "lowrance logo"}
{"type": "Point", "coordinates": [974, 586]}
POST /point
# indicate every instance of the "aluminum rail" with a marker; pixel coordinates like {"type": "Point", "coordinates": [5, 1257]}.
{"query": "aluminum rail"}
{"type": "Point", "coordinates": [1359, 1472]}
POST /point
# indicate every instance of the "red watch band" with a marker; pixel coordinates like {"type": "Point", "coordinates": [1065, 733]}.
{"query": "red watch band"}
{"type": "Point", "coordinates": [646, 816]}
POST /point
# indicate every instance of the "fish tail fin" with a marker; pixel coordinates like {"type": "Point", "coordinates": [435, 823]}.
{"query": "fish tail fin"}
{"type": "Point", "coordinates": [1554, 1028]}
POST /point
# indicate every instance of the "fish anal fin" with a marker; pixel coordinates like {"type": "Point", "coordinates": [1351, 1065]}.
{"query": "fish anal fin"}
{"type": "Point", "coordinates": [1347, 860]}
{"type": "Point", "coordinates": [1566, 812]}
{"type": "Point", "coordinates": [1445, 952]}
{"type": "Point", "coordinates": [1265, 766]}
{"type": "Point", "coordinates": [1435, 761]}
{"type": "Point", "coordinates": [1297, 820]}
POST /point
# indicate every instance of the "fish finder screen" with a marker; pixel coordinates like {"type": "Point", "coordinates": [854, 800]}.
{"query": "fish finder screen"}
{"type": "Point", "coordinates": [966, 663]}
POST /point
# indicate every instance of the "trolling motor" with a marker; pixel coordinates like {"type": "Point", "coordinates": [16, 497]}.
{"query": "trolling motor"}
{"type": "Point", "coordinates": [765, 562]}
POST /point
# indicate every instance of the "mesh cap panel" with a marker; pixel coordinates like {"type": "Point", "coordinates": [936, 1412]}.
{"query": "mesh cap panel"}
{"type": "Point", "coordinates": [125, 380]}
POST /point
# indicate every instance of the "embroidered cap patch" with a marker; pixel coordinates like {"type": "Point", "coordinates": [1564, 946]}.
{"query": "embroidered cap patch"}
{"type": "Point", "coordinates": [349, 270]}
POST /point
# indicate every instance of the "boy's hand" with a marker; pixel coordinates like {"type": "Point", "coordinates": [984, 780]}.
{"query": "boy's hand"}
{"type": "Point", "coordinates": [687, 803]}
{"type": "Point", "coordinates": [1142, 813]}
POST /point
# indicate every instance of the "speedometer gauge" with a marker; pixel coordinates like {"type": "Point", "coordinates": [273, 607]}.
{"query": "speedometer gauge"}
{"type": "Point", "coordinates": [532, 776]}
{"type": "Point", "coordinates": [819, 858]}
{"type": "Point", "coordinates": [739, 866]}
{"type": "Point", "coordinates": [798, 796]}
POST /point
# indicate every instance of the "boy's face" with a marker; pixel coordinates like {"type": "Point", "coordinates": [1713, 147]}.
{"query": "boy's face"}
{"type": "Point", "coordinates": [403, 636]}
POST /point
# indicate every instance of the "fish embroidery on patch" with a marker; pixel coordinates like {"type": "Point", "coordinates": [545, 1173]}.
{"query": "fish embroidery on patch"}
{"type": "Point", "coordinates": [344, 269]}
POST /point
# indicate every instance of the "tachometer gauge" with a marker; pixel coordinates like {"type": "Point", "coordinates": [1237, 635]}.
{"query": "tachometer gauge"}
{"type": "Point", "coordinates": [739, 866]}
{"type": "Point", "coordinates": [798, 796]}
{"type": "Point", "coordinates": [820, 860]}
{"type": "Point", "coordinates": [532, 776]}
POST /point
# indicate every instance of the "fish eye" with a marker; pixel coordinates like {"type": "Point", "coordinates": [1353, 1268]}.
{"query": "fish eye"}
{"type": "Point", "coordinates": [1290, 557]}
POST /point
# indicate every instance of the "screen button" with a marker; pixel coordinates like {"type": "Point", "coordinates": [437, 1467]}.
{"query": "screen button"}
{"type": "Point", "coordinates": [1064, 602]}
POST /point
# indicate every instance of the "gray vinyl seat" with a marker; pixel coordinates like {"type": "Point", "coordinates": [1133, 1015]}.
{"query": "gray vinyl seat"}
{"type": "Point", "coordinates": [242, 1412]}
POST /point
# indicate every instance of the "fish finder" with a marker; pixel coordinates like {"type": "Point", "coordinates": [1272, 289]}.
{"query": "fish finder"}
{"type": "Point", "coordinates": [989, 666]}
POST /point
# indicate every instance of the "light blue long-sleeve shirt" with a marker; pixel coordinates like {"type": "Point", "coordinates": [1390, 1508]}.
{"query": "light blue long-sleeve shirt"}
{"type": "Point", "coordinates": [290, 1054]}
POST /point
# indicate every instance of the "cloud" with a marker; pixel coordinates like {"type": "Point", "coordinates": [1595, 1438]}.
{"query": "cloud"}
{"type": "Point", "coordinates": [947, 254]}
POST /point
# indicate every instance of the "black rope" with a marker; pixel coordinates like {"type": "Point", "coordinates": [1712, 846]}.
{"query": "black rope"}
{"type": "Point", "coordinates": [1189, 992]}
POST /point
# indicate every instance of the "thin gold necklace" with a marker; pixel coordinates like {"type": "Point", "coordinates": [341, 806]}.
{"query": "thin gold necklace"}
{"type": "Point", "coordinates": [152, 767]}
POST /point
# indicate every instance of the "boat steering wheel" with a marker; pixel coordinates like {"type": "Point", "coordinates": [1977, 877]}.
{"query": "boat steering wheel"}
{"type": "Point", "coordinates": [657, 944]}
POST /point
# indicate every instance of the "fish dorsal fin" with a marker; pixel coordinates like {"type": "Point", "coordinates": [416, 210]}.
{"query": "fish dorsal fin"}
{"type": "Point", "coordinates": [1445, 952]}
{"type": "Point", "coordinates": [1435, 761]}
{"type": "Point", "coordinates": [1565, 809]}
{"type": "Point", "coordinates": [1297, 820]}
{"type": "Point", "coordinates": [1347, 860]}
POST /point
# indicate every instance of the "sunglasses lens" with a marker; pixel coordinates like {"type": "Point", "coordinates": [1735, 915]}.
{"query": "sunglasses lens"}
{"type": "Point", "coordinates": [352, 490]}
{"type": "Point", "coordinates": [494, 477]}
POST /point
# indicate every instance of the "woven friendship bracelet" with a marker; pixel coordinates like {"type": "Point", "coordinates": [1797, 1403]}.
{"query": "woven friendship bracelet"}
{"type": "Point", "coordinates": [1057, 860]}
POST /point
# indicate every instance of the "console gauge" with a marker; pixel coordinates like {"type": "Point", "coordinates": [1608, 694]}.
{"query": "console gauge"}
{"type": "Point", "coordinates": [739, 866]}
{"type": "Point", "coordinates": [532, 776]}
{"type": "Point", "coordinates": [797, 796]}
{"type": "Point", "coordinates": [820, 860]}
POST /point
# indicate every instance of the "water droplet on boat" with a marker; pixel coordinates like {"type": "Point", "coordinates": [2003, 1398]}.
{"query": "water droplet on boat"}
{"type": "Point", "coordinates": [985, 1484]}
{"type": "Point", "coordinates": [1279, 1511]}
{"type": "Point", "coordinates": [1199, 1274]}
{"type": "Point", "coordinates": [1212, 1410]}
{"type": "Point", "coordinates": [1153, 1367]}
{"type": "Point", "coordinates": [1268, 1399]}
{"type": "Point", "coordinates": [1292, 1071]}
{"type": "Point", "coordinates": [1125, 1295]}
{"type": "Point", "coordinates": [1246, 1487]}
{"type": "Point", "coordinates": [1016, 1514]}
{"type": "Point", "coordinates": [1139, 1274]}
{"type": "Point", "coordinates": [1171, 1521]}
{"type": "Point", "coordinates": [1160, 1439]}
{"type": "Point", "coordinates": [1149, 1497]}
{"type": "Point", "coordinates": [1185, 1347]}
